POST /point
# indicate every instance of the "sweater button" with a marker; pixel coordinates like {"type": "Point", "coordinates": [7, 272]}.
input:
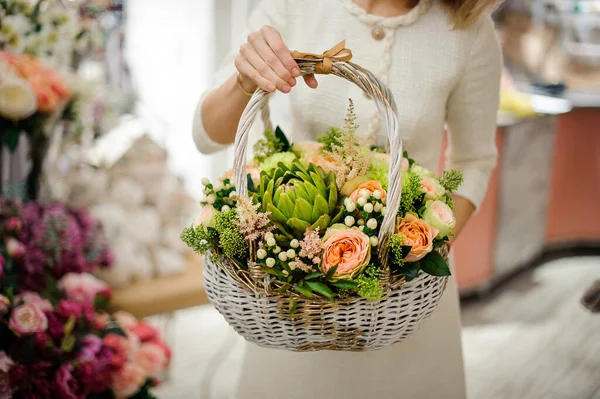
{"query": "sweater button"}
{"type": "Point", "coordinates": [378, 33]}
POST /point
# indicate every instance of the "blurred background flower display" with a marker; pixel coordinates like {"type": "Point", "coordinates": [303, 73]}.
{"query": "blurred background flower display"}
{"type": "Point", "coordinates": [99, 298]}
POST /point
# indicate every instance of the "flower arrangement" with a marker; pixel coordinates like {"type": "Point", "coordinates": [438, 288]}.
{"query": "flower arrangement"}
{"type": "Point", "coordinates": [55, 338]}
{"type": "Point", "coordinates": [314, 213]}
{"type": "Point", "coordinates": [43, 243]}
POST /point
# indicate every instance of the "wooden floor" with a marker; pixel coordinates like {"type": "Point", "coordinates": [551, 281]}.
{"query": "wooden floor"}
{"type": "Point", "coordinates": [530, 340]}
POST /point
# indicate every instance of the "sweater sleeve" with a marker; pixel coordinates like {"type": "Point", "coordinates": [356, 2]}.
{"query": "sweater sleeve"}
{"type": "Point", "coordinates": [267, 12]}
{"type": "Point", "coordinates": [472, 112]}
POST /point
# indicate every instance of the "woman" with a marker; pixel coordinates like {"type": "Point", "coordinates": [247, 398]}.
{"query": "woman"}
{"type": "Point", "coordinates": [442, 60]}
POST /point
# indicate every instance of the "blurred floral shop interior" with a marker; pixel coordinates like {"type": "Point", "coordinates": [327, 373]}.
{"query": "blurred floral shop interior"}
{"type": "Point", "coordinates": [113, 286]}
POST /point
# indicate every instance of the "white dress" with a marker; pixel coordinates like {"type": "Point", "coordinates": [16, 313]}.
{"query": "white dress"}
{"type": "Point", "coordinates": [438, 75]}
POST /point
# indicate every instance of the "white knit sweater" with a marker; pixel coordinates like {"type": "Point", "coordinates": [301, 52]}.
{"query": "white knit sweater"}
{"type": "Point", "coordinates": [438, 75]}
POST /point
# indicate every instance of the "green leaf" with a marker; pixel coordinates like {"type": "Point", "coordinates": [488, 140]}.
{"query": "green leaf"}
{"type": "Point", "coordinates": [345, 284]}
{"type": "Point", "coordinates": [251, 187]}
{"type": "Point", "coordinates": [440, 243]}
{"type": "Point", "coordinates": [271, 271]}
{"type": "Point", "coordinates": [331, 272]}
{"type": "Point", "coordinates": [293, 307]}
{"type": "Point", "coordinates": [285, 144]}
{"type": "Point", "coordinates": [435, 265]}
{"type": "Point", "coordinates": [304, 291]}
{"type": "Point", "coordinates": [68, 343]}
{"type": "Point", "coordinates": [320, 208]}
{"type": "Point", "coordinates": [338, 217]}
{"type": "Point", "coordinates": [300, 188]}
{"type": "Point", "coordinates": [276, 215]}
{"type": "Point", "coordinates": [322, 223]}
{"type": "Point", "coordinates": [314, 275]}
{"type": "Point", "coordinates": [303, 210]}
{"type": "Point", "coordinates": [322, 289]}
{"type": "Point", "coordinates": [298, 225]}
{"type": "Point", "coordinates": [70, 325]}
{"type": "Point", "coordinates": [406, 250]}
{"type": "Point", "coordinates": [410, 272]}
{"type": "Point", "coordinates": [312, 192]}
{"type": "Point", "coordinates": [11, 138]}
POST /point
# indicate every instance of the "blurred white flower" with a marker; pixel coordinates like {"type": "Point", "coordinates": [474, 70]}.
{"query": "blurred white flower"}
{"type": "Point", "coordinates": [17, 98]}
{"type": "Point", "coordinates": [13, 32]}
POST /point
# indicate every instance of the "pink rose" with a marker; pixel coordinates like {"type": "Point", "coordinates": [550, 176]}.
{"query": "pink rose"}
{"type": "Point", "coordinates": [6, 364]}
{"type": "Point", "coordinates": [432, 188]}
{"type": "Point", "coordinates": [83, 287]}
{"type": "Point", "coordinates": [144, 331]}
{"type": "Point", "coordinates": [1, 267]}
{"type": "Point", "coordinates": [14, 225]}
{"type": "Point", "coordinates": [72, 383]}
{"type": "Point", "coordinates": [14, 248]}
{"type": "Point", "coordinates": [346, 248]}
{"type": "Point", "coordinates": [125, 320]}
{"type": "Point", "coordinates": [4, 305]}
{"type": "Point", "coordinates": [405, 164]}
{"type": "Point", "coordinates": [206, 217]}
{"type": "Point", "coordinates": [28, 319]}
{"type": "Point", "coordinates": [67, 308]}
{"type": "Point", "coordinates": [123, 348]}
{"type": "Point", "coordinates": [151, 358]}
{"type": "Point", "coordinates": [370, 187]}
{"type": "Point", "coordinates": [128, 380]}
{"type": "Point", "coordinates": [101, 320]}
{"type": "Point", "coordinates": [35, 299]}
{"type": "Point", "coordinates": [439, 215]}
{"type": "Point", "coordinates": [418, 235]}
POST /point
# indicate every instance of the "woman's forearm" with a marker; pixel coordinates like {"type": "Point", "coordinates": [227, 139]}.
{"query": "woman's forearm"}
{"type": "Point", "coordinates": [223, 108]}
{"type": "Point", "coordinates": [462, 213]}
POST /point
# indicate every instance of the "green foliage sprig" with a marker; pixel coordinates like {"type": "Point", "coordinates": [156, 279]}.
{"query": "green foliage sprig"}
{"type": "Point", "coordinates": [368, 284]}
{"type": "Point", "coordinates": [451, 180]}
{"type": "Point", "coordinates": [396, 243]}
{"type": "Point", "coordinates": [411, 191]}
{"type": "Point", "coordinates": [331, 139]}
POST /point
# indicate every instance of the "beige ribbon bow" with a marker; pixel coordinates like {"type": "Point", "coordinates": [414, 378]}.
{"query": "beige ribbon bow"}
{"type": "Point", "coordinates": [339, 53]}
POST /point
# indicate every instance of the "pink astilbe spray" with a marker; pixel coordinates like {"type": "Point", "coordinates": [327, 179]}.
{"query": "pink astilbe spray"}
{"type": "Point", "coordinates": [253, 225]}
{"type": "Point", "coordinates": [349, 158]}
{"type": "Point", "coordinates": [299, 264]}
{"type": "Point", "coordinates": [311, 246]}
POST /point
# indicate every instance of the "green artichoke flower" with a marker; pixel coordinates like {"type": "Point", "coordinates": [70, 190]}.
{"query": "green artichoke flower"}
{"type": "Point", "coordinates": [298, 198]}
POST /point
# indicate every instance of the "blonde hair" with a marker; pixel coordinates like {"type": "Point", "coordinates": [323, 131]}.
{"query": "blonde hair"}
{"type": "Point", "coordinates": [465, 13]}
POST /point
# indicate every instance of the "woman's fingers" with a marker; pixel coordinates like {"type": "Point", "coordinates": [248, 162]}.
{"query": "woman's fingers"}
{"type": "Point", "coordinates": [275, 42]}
{"type": "Point", "coordinates": [258, 63]}
{"type": "Point", "coordinates": [272, 67]}
{"type": "Point", "coordinates": [311, 81]}
{"type": "Point", "coordinates": [247, 70]}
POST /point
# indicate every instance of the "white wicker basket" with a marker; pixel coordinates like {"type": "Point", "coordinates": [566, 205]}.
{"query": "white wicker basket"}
{"type": "Point", "coordinates": [247, 298]}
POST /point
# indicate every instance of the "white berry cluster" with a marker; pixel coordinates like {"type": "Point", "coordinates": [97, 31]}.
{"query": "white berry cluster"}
{"type": "Point", "coordinates": [272, 253]}
{"type": "Point", "coordinates": [222, 194]}
{"type": "Point", "coordinates": [366, 213]}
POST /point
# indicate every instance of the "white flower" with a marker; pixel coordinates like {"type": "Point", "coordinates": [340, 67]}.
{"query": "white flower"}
{"type": "Point", "coordinates": [261, 254]}
{"type": "Point", "coordinates": [377, 194]}
{"type": "Point", "coordinates": [271, 241]}
{"type": "Point", "coordinates": [372, 224]}
{"type": "Point", "coordinates": [211, 199]}
{"type": "Point", "coordinates": [373, 241]}
{"type": "Point", "coordinates": [17, 98]}
{"type": "Point", "coordinates": [205, 181]}
{"type": "Point", "coordinates": [283, 256]}
{"type": "Point", "coordinates": [384, 211]}
{"type": "Point", "coordinates": [270, 262]}
{"type": "Point", "coordinates": [361, 222]}
{"type": "Point", "coordinates": [269, 235]}
{"type": "Point", "coordinates": [277, 250]}
{"type": "Point", "coordinates": [291, 254]}
{"type": "Point", "coordinates": [316, 261]}
{"type": "Point", "coordinates": [350, 206]}
{"type": "Point", "coordinates": [13, 31]}
{"type": "Point", "coordinates": [294, 243]}
{"type": "Point", "coordinates": [362, 201]}
{"type": "Point", "coordinates": [233, 194]}
{"type": "Point", "coordinates": [219, 186]}
{"type": "Point", "coordinates": [378, 207]}
{"type": "Point", "coordinates": [368, 208]}
{"type": "Point", "coordinates": [225, 208]}
{"type": "Point", "coordinates": [362, 228]}
{"type": "Point", "coordinates": [349, 221]}
{"type": "Point", "coordinates": [364, 193]}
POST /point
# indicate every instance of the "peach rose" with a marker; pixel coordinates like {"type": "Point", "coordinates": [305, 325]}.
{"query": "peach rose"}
{"type": "Point", "coordinates": [432, 188]}
{"type": "Point", "coordinates": [125, 319]}
{"type": "Point", "coordinates": [418, 235]}
{"type": "Point", "coordinates": [151, 358]}
{"type": "Point", "coordinates": [47, 99]}
{"type": "Point", "coordinates": [250, 168]}
{"type": "Point", "coordinates": [303, 148]}
{"type": "Point", "coordinates": [206, 217]}
{"type": "Point", "coordinates": [57, 83]}
{"type": "Point", "coordinates": [128, 380]}
{"type": "Point", "coordinates": [346, 248]}
{"type": "Point", "coordinates": [324, 161]}
{"type": "Point", "coordinates": [371, 186]}
{"type": "Point", "coordinates": [439, 215]}
{"type": "Point", "coordinates": [28, 319]}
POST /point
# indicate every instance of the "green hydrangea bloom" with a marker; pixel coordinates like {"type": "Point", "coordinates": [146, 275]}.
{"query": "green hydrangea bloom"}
{"type": "Point", "coordinates": [411, 193]}
{"type": "Point", "coordinates": [368, 285]}
{"type": "Point", "coordinates": [233, 244]}
{"type": "Point", "coordinates": [395, 244]}
{"type": "Point", "coordinates": [270, 163]}
{"type": "Point", "coordinates": [379, 171]}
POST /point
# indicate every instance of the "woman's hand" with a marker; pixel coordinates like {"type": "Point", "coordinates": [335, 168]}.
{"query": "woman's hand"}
{"type": "Point", "coordinates": [265, 61]}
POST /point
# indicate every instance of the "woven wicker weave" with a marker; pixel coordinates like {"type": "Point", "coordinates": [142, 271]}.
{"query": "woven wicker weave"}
{"type": "Point", "coordinates": [248, 298]}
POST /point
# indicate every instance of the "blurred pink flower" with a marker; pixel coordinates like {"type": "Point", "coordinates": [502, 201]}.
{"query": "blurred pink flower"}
{"type": "Point", "coordinates": [128, 380]}
{"type": "Point", "coordinates": [83, 287]}
{"type": "Point", "coordinates": [28, 319]}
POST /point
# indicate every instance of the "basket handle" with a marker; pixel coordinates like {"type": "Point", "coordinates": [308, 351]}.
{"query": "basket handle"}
{"type": "Point", "coordinates": [336, 63]}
